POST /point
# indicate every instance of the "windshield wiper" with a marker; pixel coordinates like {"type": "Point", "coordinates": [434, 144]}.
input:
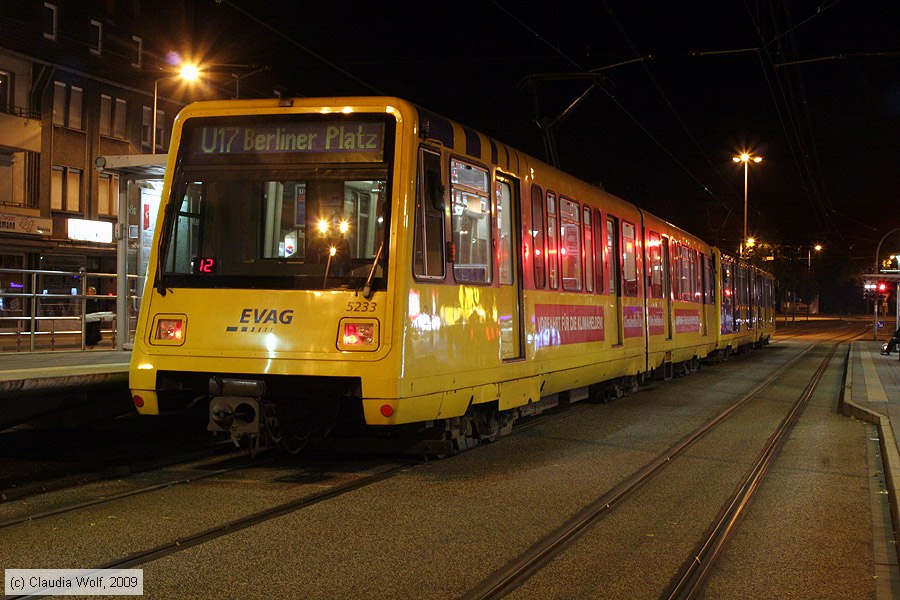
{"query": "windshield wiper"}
{"type": "Point", "coordinates": [367, 288]}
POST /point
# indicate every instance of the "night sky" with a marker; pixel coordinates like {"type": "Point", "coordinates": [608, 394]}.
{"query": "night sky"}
{"type": "Point", "coordinates": [814, 87]}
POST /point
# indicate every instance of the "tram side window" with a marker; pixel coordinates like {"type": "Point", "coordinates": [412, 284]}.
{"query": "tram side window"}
{"type": "Point", "coordinates": [570, 244]}
{"type": "Point", "coordinates": [612, 253]}
{"type": "Point", "coordinates": [505, 220]}
{"type": "Point", "coordinates": [471, 223]}
{"type": "Point", "coordinates": [588, 251]}
{"type": "Point", "coordinates": [677, 282]}
{"type": "Point", "coordinates": [693, 272]}
{"type": "Point", "coordinates": [185, 241]}
{"type": "Point", "coordinates": [629, 263]}
{"type": "Point", "coordinates": [428, 261]}
{"type": "Point", "coordinates": [708, 279]}
{"type": "Point", "coordinates": [602, 257]}
{"type": "Point", "coordinates": [552, 260]}
{"type": "Point", "coordinates": [537, 234]}
{"type": "Point", "coordinates": [654, 255]}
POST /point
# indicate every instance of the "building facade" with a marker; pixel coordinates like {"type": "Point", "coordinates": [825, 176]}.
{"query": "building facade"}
{"type": "Point", "coordinates": [77, 81]}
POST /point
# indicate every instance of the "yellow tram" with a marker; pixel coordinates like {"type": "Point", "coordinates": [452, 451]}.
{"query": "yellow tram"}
{"type": "Point", "coordinates": [335, 264]}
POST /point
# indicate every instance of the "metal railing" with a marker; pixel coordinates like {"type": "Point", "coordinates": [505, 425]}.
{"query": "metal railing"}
{"type": "Point", "coordinates": [52, 310]}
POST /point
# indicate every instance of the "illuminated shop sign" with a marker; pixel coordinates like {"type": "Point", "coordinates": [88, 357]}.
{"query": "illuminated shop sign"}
{"type": "Point", "coordinates": [90, 231]}
{"type": "Point", "coordinates": [284, 137]}
{"type": "Point", "coordinates": [24, 224]}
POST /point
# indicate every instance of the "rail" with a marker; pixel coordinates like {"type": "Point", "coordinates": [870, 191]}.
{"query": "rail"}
{"type": "Point", "coordinates": [43, 310]}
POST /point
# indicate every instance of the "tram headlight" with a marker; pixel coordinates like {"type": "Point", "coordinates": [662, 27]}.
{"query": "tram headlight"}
{"type": "Point", "coordinates": [169, 330]}
{"type": "Point", "coordinates": [358, 335]}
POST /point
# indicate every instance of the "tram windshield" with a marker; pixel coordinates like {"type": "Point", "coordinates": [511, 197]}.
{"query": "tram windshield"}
{"type": "Point", "coordinates": [287, 202]}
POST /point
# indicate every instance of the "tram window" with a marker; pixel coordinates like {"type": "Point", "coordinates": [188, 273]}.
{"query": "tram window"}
{"type": "Point", "coordinates": [537, 234]}
{"type": "Point", "coordinates": [588, 251]}
{"type": "Point", "coordinates": [708, 280]}
{"type": "Point", "coordinates": [677, 282]}
{"type": "Point", "coordinates": [602, 257]}
{"type": "Point", "coordinates": [552, 256]}
{"type": "Point", "coordinates": [629, 264]}
{"type": "Point", "coordinates": [185, 239]}
{"type": "Point", "coordinates": [471, 223]}
{"type": "Point", "coordinates": [570, 244]}
{"type": "Point", "coordinates": [729, 324]}
{"type": "Point", "coordinates": [612, 253]}
{"type": "Point", "coordinates": [696, 265]}
{"type": "Point", "coordinates": [654, 256]}
{"type": "Point", "coordinates": [428, 256]}
{"type": "Point", "coordinates": [689, 289]}
{"type": "Point", "coordinates": [504, 224]}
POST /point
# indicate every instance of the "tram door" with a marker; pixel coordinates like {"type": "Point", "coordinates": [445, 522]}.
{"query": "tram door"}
{"type": "Point", "coordinates": [612, 251]}
{"type": "Point", "coordinates": [509, 256]}
{"type": "Point", "coordinates": [708, 287]}
{"type": "Point", "coordinates": [667, 287]}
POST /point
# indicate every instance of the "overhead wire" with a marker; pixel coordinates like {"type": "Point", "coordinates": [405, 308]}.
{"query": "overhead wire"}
{"type": "Point", "coordinates": [796, 123]}
{"type": "Point", "coordinates": [312, 53]}
{"type": "Point", "coordinates": [615, 101]}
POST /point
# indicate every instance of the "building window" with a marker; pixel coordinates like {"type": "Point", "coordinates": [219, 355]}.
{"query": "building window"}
{"type": "Point", "coordinates": [68, 106]}
{"type": "Point", "coordinates": [137, 58]}
{"type": "Point", "coordinates": [65, 189]}
{"type": "Point", "coordinates": [119, 119]}
{"type": "Point", "coordinates": [146, 124]}
{"type": "Point", "coordinates": [105, 114]}
{"type": "Point", "coordinates": [60, 92]}
{"type": "Point", "coordinates": [112, 116]}
{"type": "Point", "coordinates": [107, 200]}
{"type": "Point", "coordinates": [160, 130]}
{"type": "Point", "coordinates": [6, 94]}
{"type": "Point", "coordinates": [76, 107]}
{"type": "Point", "coordinates": [50, 21]}
{"type": "Point", "coordinates": [96, 36]}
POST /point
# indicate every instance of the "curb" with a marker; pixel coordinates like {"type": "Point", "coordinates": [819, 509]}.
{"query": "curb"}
{"type": "Point", "coordinates": [890, 456]}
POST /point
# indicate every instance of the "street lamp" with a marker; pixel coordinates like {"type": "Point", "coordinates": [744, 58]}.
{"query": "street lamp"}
{"type": "Point", "coordinates": [745, 157]}
{"type": "Point", "coordinates": [817, 248]}
{"type": "Point", "coordinates": [188, 72]}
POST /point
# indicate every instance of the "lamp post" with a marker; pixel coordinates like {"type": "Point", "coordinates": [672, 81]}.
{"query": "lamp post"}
{"type": "Point", "coordinates": [745, 157]}
{"type": "Point", "coordinates": [809, 249]}
{"type": "Point", "coordinates": [188, 72]}
{"type": "Point", "coordinates": [817, 248]}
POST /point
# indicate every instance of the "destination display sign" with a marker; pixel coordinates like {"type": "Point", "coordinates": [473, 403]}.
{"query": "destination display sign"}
{"type": "Point", "coordinates": [364, 140]}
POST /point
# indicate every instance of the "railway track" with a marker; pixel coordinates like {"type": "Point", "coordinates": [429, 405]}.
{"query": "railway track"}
{"type": "Point", "coordinates": [345, 491]}
{"type": "Point", "coordinates": [182, 543]}
{"type": "Point", "coordinates": [696, 566]}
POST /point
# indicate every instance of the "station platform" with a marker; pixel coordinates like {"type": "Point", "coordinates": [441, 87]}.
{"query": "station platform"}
{"type": "Point", "coordinates": [872, 393]}
{"type": "Point", "coordinates": [63, 387]}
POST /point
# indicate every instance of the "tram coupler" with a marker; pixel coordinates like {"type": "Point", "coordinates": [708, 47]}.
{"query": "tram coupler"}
{"type": "Point", "coordinates": [235, 408]}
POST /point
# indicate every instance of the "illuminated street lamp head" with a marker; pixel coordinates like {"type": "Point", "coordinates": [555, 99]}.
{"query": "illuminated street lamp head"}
{"type": "Point", "coordinates": [744, 157]}
{"type": "Point", "coordinates": [189, 72]}
{"type": "Point", "coordinates": [817, 247]}
{"type": "Point", "coordinates": [751, 241]}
